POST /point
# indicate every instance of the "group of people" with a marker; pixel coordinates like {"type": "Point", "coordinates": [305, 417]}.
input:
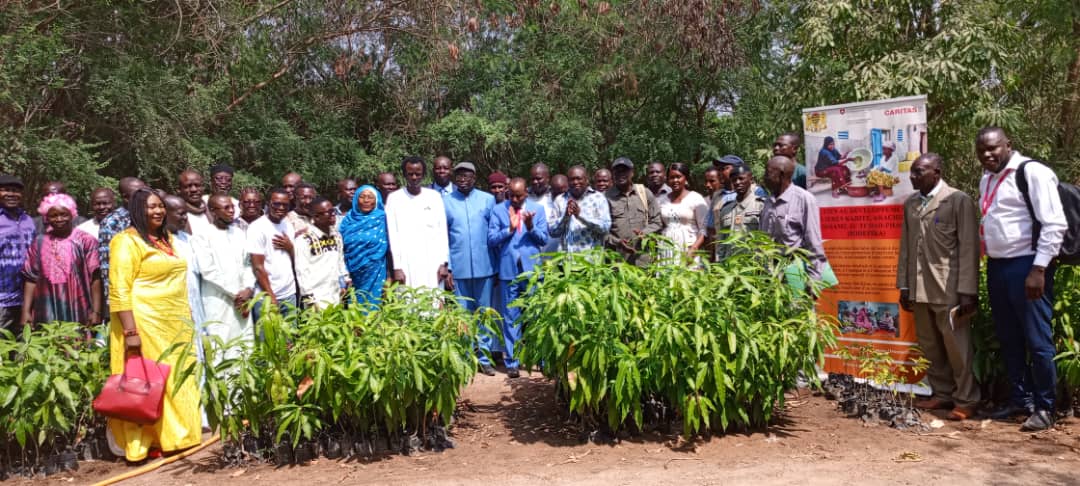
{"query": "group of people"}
{"type": "Point", "coordinates": [158, 262]}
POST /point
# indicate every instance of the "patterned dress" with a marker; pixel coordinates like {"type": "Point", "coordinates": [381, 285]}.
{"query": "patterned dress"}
{"type": "Point", "coordinates": [62, 269]}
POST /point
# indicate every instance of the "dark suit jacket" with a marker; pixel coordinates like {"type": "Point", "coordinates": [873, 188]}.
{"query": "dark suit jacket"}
{"type": "Point", "coordinates": [516, 252]}
{"type": "Point", "coordinates": [939, 248]}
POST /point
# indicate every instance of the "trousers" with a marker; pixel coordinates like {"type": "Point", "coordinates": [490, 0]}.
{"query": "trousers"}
{"type": "Point", "coordinates": [950, 354]}
{"type": "Point", "coordinates": [475, 294]}
{"type": "Point", "coordinates": [1024, 330]}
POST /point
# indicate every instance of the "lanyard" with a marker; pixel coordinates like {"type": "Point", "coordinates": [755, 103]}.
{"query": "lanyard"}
{"type": "Point", "coordinates": [988, 199]}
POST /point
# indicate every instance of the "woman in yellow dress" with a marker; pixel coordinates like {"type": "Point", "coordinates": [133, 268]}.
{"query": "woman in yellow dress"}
{"type": "Point", "coordinates": [150, 312]}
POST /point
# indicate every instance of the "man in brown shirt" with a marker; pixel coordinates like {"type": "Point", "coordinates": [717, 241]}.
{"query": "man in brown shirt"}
{"type": "Point", "coordinates": [634, 213]}
{"type": "Point", "coordinates": [938, 270]}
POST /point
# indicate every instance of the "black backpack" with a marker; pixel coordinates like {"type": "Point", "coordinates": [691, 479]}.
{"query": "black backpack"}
{"type": "Point", "coordinates": [1070, 202]}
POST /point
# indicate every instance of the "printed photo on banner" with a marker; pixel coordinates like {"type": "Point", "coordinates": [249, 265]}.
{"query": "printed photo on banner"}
{"type": "Point", "coordinates": [861, 155]}
{"type": "Point", "coordinates": [858, 317]}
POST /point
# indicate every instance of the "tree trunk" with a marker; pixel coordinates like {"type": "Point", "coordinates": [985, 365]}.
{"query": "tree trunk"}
{"type": "Point", "coordinates": [1068, 120]}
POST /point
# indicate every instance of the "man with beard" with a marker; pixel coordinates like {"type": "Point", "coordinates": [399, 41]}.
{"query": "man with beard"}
{"type": "Point", "coordinates": [227, 279]}
{"type": "Point", "coordinates": [634, 213]}
{"type": "Point", "coordinates": [416, 227]}
{"type": "Point", "coordinates": [582, 215]}
{"type": "Point", "coordinates": [16, 235]}
{"type": "Point", "coordinates": [346, 188]}
{"type": "Point", "coordinates": [517, 232]}
{"type": "Point", "coordinates": [440, 168]}
{"type": "Point", "coordinates": [656, 179]}
{"type": "Point", "coordinates": [102, 202]}
{"type": "Point", "coordinates": [497, 186]}
{"type": "Point", "coordinates": [190, 188]}
{"type": "Point", "coordinates": [386, 183]}
{"type": "Point", "coordinates": [468, 211]}
{"type": "Point", "coordinates": [320, 258]}
{"type": "Point", "coordinates": [601, 180]}
{"type": "Point", "coordinates": [269, 242]}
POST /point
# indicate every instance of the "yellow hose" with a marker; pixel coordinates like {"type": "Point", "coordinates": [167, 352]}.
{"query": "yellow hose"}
{"type": "Point", "coordinates": [154, 465]}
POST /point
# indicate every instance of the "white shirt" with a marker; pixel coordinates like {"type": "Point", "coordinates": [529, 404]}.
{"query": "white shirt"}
{"type": "Point", "coordinates": [548, 203]}
{"type": "Point", "coordinates": [1006, 222]}
{"type": "Point", "coordinates": [419, 242]}
{"type": "Point", "coordinates": [200, 223]}
{"type": "Point", "coordinates": [278, 263]}
{"type": "Point", "coordinates": [90, 227]}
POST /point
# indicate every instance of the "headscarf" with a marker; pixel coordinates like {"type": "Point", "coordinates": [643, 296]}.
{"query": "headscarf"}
{"type": "Point", "coordinates": [58, 200]}
{"type": "Point", "coordinates": [825, 148]}
{"type": "Point", "coordinates": [366, 242]}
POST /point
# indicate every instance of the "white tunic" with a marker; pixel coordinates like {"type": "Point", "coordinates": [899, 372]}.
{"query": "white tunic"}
{"type": "Point", "coordinates": [419, 242]}
{"type": "Point", "coordinates": [225, 265]}
{"type": "Point", "coordinates": [684, 222]}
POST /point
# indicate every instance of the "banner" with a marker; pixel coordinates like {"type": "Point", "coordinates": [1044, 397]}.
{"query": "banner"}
{"type": "Point", "coordinates": [858, 158]}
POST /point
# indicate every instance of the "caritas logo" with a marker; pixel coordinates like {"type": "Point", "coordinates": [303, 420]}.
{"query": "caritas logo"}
{"type": "Point", "coordinates": [904, 110]}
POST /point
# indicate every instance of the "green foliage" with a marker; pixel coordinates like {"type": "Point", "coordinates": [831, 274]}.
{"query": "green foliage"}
{"type": "Point", "coordinates": [615, 334]}
{"type": "Point", "coordinates": [399, 368]}
{"type": "Point", "coordinates": [48, 380]}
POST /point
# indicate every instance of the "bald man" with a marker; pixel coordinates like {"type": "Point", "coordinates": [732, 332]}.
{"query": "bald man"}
{"type": "Point", "coordinates": [517, 233]}
{"type": "Point", "coordinates": [790, 214]}
{"type": "Point", "coordinates": [190, 188]}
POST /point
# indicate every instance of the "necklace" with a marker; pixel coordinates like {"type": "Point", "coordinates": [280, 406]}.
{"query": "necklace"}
{"type": "Point", "coordinates": [162, 245]}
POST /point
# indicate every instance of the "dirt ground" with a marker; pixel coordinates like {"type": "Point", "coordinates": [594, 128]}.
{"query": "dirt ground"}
{"type": "Point", "coordinates": [510, 432]}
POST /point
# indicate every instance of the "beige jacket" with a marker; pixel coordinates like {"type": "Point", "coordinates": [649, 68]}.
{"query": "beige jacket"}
{"type": "Point", "coordinates": [939, 248]}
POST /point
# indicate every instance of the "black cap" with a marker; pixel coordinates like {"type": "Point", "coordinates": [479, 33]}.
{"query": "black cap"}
{"type": "Point", "coordinates": [622, 161]}
{"type": "Point", "coordinates": [10, 180]}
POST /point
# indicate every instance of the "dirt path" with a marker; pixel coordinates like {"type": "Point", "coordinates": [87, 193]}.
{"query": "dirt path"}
{"type": "Point", "coordinates": [509, 432]}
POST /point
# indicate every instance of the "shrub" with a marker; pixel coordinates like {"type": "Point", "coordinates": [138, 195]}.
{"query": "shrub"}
{"type": "Point", "coordinates": [398, 370]}
{"type": "Point", "coordinates": [720, 344]}
{"type": "Point", "coordinates": [48, 381]}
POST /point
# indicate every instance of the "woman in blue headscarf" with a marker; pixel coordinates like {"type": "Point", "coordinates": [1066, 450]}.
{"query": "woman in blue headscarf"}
{"type": "Point", "coordinates": [831, 164]}
{"type": "Point", "coordinates": [363, 229]}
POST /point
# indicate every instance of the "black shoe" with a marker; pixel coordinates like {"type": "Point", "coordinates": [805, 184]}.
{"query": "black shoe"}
{"type": "Point", "coordinates": [1009, 411]}
{"type": "Point", "coordinates": [487, 369]}
{"type": "Point", "coordinates": [512, 373]}
{"type": "Point", "coordinates": [1040, 420]}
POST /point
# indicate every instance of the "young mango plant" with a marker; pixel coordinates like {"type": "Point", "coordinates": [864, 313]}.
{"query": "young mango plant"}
{"type": "Point", "coordinates": [718, 344]}
{"type": "Point", "coordinates": [346, 371]}
{"type": "Point", "coordinates": [49, 377]}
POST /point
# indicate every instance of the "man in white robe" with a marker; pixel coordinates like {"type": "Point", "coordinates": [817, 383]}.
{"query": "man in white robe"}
{"type": "Point", "coordinates": [227, 280]}
{"type": "Point", "coordinates": [416, 226]}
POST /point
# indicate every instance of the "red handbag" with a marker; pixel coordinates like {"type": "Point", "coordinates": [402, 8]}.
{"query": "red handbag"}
{"type": "Point", "coordinates": [137, 394]}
